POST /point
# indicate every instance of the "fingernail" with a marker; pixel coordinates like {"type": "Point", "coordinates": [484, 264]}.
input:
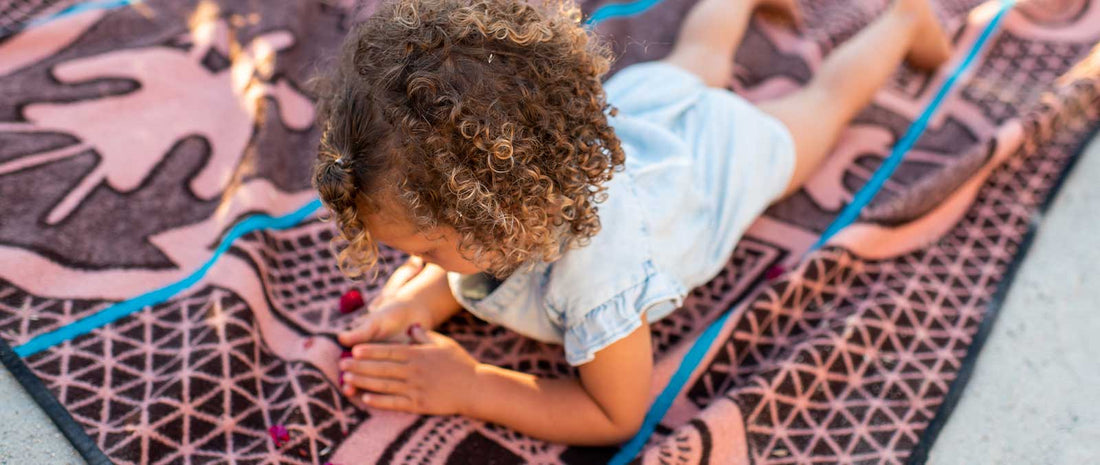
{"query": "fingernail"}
{"type": "Point", "coordinates": [348, 377]}
{"type": "Point", "coordinates": [344, 364]}
{"type": "Point", "coordinates": [366, 397]}
{"type": "Point", "coordinates": [412, 328]}
{"type": "Point", "coordinates": [345, 354]}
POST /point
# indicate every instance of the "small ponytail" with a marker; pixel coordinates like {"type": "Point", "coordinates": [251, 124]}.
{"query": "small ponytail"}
{"type": "Point", "coordinates": [354, 154]}
{"type": "Point", "coordinates": [334, 181]}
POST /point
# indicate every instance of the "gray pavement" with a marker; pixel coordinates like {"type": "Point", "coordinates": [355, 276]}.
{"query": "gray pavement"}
{"type": "Point", "coordinates": [1035, 394]}
{"type": "Point", "coordinates": [1034, 397]}
{"type": "Point", "coordinates": [27, 436]}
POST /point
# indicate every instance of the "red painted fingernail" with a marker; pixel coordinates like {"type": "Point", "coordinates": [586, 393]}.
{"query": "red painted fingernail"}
{"type": "Point", "coordinates": [345, 354]}
{"type": "Point", "coordinates": [351, 301]}
{"type": "Point", "coordinates": [412, 328]}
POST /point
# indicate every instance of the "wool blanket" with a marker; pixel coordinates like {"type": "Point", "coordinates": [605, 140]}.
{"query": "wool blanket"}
{"type": "Point", "coordinates": [168, 292]}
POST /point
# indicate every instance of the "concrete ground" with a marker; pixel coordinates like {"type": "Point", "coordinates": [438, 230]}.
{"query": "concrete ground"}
{"type": "Point", "coordinates": [27, 436]}
{"type": "Point", "coordinates": [1034, 397]}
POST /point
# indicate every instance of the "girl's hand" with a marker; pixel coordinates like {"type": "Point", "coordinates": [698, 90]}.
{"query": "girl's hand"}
{"type": "Point", "coordinates": [386, 323]}
{"type": "Point", "coordinates": [434, 375]}
{"type": "Point", "coordinates": [401, 276]}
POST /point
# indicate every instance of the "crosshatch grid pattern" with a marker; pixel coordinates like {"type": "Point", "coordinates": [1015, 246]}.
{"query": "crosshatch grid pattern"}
{"type": "Point", "coordinates": [843, 359]}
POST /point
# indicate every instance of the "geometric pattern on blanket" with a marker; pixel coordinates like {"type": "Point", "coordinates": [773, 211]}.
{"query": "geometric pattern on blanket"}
{"type": "Point", "coordinates": [846, 358]}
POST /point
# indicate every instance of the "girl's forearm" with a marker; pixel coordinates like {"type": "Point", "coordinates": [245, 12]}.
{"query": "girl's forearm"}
{"type": "Point", "coordinates": [556, 410]}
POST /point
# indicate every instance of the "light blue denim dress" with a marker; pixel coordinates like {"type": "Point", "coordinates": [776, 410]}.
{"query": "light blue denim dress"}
{"type": "Point", "coordinates": [701, 165]}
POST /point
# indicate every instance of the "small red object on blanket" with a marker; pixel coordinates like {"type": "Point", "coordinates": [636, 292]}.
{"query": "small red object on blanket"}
{"type": "Point", "coordinates": [774, 272]}
{"type": "Point", "coordinates": [279, 434]}
{"type": "Point", "coordinates": [351, 301]}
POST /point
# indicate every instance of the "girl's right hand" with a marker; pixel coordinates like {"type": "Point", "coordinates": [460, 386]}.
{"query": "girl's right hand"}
{"type": "Point", "coordinates": [387, 322]}
{"type": "Point", "coordinates": [401, 276]}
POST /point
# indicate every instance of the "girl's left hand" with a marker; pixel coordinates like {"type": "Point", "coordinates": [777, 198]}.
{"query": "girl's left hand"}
{"type": "Point", "coordinates": [433, 375]}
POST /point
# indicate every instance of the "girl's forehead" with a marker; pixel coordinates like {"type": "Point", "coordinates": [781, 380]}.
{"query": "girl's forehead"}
{"type": "Point", "coordinates": [390, 224]}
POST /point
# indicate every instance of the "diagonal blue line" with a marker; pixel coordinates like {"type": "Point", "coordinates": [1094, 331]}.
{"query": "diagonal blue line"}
{"type": "Point", "coordinates": [699, 348]}
{"type": "Point", "coordinates": [664, 401]}
{"type": "Point", "coordinates": [620, 10]}
{"type": "Point", "coordinates": [82, 7]}
{"type": "Point", "coordinates": [864, 196]}
{"type": "Point", "coordinates": [114, 312]}
{"type": "Point", "coordinates": [250, 224]}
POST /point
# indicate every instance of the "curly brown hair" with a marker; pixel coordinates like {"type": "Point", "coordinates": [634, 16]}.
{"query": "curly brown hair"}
{"type": "Point", "coordinates": [487, 116]}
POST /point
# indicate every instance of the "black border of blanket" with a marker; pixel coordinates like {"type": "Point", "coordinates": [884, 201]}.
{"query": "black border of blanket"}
{"type": "Point", "coordinates": [95, 456]}
{"type": "Point", "coordinates": [919, 455]}
{"type": "Point", "coordinates": [57, 412]}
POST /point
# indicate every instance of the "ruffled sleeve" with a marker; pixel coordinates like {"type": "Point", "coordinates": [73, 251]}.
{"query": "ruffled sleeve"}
{"type": "Point", "coordinates": [590, 330]}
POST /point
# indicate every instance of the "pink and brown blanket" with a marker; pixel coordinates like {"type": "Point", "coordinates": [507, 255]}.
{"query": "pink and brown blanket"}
{"type": "Point", "coordinates": [169, 295]}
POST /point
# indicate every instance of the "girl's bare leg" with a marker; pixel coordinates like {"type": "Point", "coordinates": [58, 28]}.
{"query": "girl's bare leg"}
{"type": "Point", "coordinates": [850, 76]}
{"type": "Point", "coordinates": [711, 33]}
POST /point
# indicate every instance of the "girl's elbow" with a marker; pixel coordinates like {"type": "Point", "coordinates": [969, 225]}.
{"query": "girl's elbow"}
{"type": "Point", "coordinates": [626, 428]}
{"type": "Point", "coordinates": [627, 433]}
{"type": "Point", "coordinates": [616, 430]}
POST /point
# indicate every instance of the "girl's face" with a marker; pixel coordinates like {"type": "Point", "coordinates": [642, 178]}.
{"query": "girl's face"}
{"type": "Point", "coordinates": [438, 246]}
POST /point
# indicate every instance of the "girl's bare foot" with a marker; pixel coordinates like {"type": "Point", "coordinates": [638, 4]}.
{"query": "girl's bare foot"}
{"type": "Point", "coordinates": [930, 47]}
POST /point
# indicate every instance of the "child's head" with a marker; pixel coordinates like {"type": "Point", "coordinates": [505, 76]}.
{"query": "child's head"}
{"type": "Point", "coordinates": [472, 133]}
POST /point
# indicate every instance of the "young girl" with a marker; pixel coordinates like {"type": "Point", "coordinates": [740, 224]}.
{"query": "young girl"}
{"type": "Point", "coordinates": [477, 138]}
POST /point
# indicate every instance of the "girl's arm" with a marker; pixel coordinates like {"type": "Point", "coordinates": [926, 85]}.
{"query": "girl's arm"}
{"type": "Point", "coordinates": [436, 376]}
{"type": "Point", "coordinates": [606, 406]}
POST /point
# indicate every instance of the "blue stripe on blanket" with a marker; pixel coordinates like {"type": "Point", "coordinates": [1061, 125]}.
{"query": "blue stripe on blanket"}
{"type": "Point", "coordinates": [80, 8]}
{"type": "Point", "coordinates": [864, 196]}
{"type": "Point", "coordinates": [250, 224]}
{"type": "Point", "coordinates": [699, 349]}
{"type": "Point", "coordinates": [114, 312]}
{"type": "Point", "coordinates": [620, 10]}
